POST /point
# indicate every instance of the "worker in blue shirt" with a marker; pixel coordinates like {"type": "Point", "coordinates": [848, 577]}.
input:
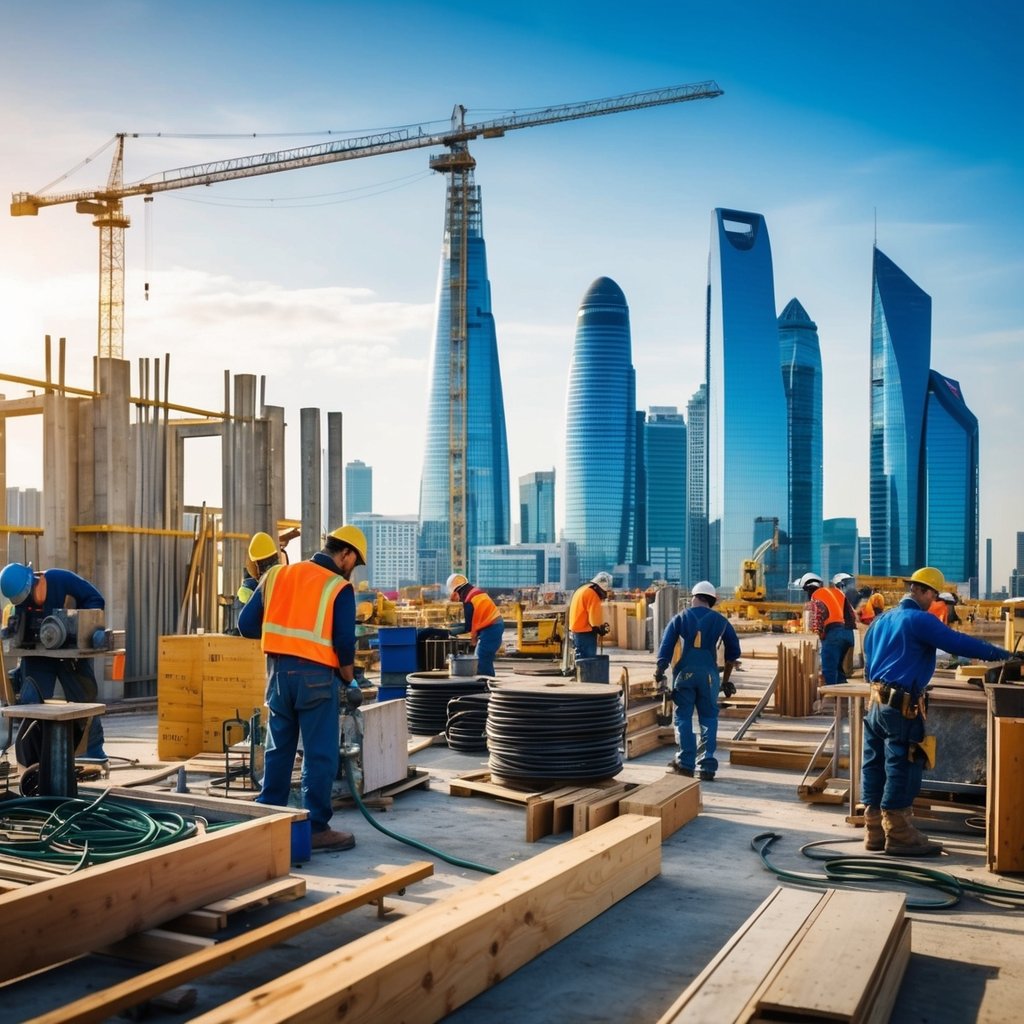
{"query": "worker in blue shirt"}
{"type": "Point", "coordinates": [695, 681]}
{"type": "Point", "coordinates": [899, 660]}
{"type": "Point", "coordinates": [36, 595]}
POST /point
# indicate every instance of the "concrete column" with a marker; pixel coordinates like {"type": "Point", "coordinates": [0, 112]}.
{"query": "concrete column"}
{"type": "Point", "coordinates": [335, 472]}
{"type": "Point", "coordinates": [310, 464]}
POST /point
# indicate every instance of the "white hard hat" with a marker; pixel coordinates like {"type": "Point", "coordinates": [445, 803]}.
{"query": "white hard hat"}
{"type": "Point", "coordinates": [947, 596]}
{"type": "Point", "coordinates": [840, 578]}
{"type": "Point", "coordinates": [603, 580]}
{"type": "Point", "coordinates": [704, 589]}
{"type": "Point", "coordinates": [456, 580]}
{"type": "Point", "coordinates": [807, 579]}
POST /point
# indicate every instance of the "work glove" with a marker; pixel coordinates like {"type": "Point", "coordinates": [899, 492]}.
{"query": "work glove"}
{"type": "Point", "coordinates": [659, 678]}
{"type": "Point", "coordinates": [729, 688]}
{"type": "Point", "coordinates": [604, 629]}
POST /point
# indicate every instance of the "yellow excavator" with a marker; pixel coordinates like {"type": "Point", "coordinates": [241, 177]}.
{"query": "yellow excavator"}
{"type": "Point", "coordinates": [752, 586]}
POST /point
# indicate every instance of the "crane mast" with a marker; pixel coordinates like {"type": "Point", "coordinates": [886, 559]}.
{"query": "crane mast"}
{"type": "Point", "coordinates": [106, 206]}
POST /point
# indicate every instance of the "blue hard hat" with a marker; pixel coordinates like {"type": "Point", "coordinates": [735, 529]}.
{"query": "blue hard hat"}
{"type": "Point", "coordinates": [16, 582]}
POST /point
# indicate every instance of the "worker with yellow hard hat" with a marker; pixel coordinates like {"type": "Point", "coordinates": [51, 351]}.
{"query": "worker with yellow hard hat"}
{"type": "Point", "coordinates": [483, 621]}
{"type": "Point", "coordinates": [262, 554]}
{"type": "Point", "coordinates": [305, 617]}
{"type": "Point", "coordinates": [899, 660]}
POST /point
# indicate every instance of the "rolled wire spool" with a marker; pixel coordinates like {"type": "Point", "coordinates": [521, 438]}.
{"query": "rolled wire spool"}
{"type": "Point", "coordinates": [466, 731]}
{"type": "Point", "coordinates": [554, 731]}
{"type": "Point", "coordinates": [427, 697]}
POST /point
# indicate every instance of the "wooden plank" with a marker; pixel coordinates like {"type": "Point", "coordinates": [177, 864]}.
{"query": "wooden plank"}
{"type": "Point", "coordinates": [447, 953]}
{"type": "Point", "coordinates": [883, 998]}
{"type": "Point", "coordinates": [157, 946]}
{"type": "Point", "coordinates": [53, 921]}
{"type": "Point", "coordinates": [565, 805]}
{"type": "Point", "coordinates": [101, 1005]}
{"type": "Point", "coordinates": [581, 809]}
{"type": "Point", "coordinates": [852, 933]}
{"type": "Point", "coordinates": [792, 760]}
{"type": "Point", "coordinates": [646, 740]}
{"type": "Point", "coordinates": [290, 887]}
{"type": "Point", "coordinates": [385, 745]}
{"type": "Point", "coordinates": [198, 922]}
{"type": "Point", "coordinates": [480, 782]}
{"type": "Point", "coordinates": [540, 813]}
{"type": "Point", "coordinates": [673, 799]}
{"type": "Point", "coordinates": [730, 982]}
{"type": "Point", "coordinates": [605, 810]}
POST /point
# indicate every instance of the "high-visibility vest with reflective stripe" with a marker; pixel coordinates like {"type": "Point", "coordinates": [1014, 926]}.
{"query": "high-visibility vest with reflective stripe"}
{"type": "Point", "coordinates": [298, 611]}
{"type": "Point", "coordinates": [485, 611]}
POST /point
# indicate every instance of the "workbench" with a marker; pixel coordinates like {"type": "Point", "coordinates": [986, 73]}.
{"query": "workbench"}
{"type": "Point", "coordinates": [57, 759]}
{"type": "Point", "coordinates": [854, 694]}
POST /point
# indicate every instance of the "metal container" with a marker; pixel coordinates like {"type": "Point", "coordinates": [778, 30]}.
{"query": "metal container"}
{"type": "Point", "coordinates": [462, 664]}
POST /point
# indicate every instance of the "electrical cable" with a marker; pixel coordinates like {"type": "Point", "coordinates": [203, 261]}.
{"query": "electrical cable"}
{"type": "Point", "coordinates": [415, 843]}
{"type": "Point", "coordinates": [840, 868]}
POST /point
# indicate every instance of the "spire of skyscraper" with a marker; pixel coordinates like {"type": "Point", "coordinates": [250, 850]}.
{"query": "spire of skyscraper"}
{"type": "Point", "coordinates": [471, 390]}
{"type": "Point", "coordinates": [600, 433]}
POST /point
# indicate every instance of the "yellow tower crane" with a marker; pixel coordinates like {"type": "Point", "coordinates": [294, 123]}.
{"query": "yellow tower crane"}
{"type": "Point", "coordinates": [106, 206]}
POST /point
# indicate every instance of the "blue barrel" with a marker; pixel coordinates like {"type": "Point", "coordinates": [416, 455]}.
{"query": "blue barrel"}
{"type": "Point", "coordinates": [592, 670]}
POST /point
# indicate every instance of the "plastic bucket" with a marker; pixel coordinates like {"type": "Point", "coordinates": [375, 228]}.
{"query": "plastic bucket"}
{"type": "Point", "coordinates": [592, 670]}
{"type": "Point", "coordinates": [462, 664]}
{"type": "Point", "coordinates": [302, 841]}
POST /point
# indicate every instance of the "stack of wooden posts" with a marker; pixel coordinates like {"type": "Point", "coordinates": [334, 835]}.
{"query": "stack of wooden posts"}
{"type": "Point", "coordinates": [805, 956]}
{"type": "Point", "coordinates": [797, 684]}
{"type": "Point", "coordinates": [628, 621]}
{"type": "Point", "coordinates": [673, 799]}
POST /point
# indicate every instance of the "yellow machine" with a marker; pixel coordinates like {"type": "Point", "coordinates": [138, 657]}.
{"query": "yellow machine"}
{"type": "Point", "coordinates": [540, 631]}
{"type": "Point", "coordinates": [752, 587]}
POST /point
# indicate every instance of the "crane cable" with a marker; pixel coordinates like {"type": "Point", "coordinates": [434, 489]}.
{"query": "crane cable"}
{"type": "Point", "coordinates": [841, 869]}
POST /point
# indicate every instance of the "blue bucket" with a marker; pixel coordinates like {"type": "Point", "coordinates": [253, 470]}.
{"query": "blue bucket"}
{"type": "Point", "coordinates": [592, 670]}
{"type": "Point", "coordinates": [302, 842]}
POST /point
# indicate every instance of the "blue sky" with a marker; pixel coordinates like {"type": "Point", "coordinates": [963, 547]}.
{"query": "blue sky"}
{"type": "Point", "coordinates": [324, 279]}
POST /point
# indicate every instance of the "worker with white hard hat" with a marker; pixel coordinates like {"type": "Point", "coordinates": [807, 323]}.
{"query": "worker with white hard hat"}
{"type": "Point", "coordinates": [483, 621]}
{"type": "Point", "coordinates": [586, 615]}
{"type": "Point", "coordinates": [305, 616]}
{"type": "Point", "coordinates": [695, 680]}
{"type": "Point", "coordinates": [832, 618]}
{"type": "Point", "coordinates": [899, 661]}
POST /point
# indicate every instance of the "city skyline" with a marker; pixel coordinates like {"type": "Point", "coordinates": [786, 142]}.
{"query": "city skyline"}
{"type": "Point", "coordinates": [324, 280]}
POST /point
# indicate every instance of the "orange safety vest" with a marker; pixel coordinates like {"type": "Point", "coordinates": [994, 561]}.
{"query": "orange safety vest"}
{"type": "Point", "coordinates": [298, 611]}
{"type": "Point", "coordinates": [585, 610]}
{"type": "Point", "coordinates": [485, 611]}
{"type": "Point", "coordinates": [940, 610]}
{"type": "Point", "coordinates": [834, 603]}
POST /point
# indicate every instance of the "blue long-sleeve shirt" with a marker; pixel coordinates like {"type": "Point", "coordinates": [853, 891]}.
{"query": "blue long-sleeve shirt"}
{"type": "Point", "coordinates": [62, 584]}
{"type": "Point", "coordinates": [900, 646]}
{"type": "Point", "coordinates": [343, 624]}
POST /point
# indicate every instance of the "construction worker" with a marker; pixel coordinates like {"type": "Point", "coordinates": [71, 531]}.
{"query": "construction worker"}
{"type": "Point", "coordinates": [484, 623]}
{"type": "Point", "coordinates": [263, 553]}
{"type": "Point", "coordinates": [35, 595]}
{"type": "Point", "coordinates": [695, 680]}
{"type": "Point", "coordinates": [871, 604]}
{"type": "Point", "coordinates": [305, 615]}
{"type": "Point", "coordinates": [586, 615]}
{"type": "Point", "coordinates": [832, 619]}
{"type": "Point", "coordinates": [899, 652]}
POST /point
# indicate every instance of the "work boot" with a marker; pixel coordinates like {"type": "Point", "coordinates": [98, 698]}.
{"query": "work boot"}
{"type": "Point", "coordinates": [676, 767]}
{"type": "Point", "coordinates": [331, 840]}
{"type": "Point", "coordinates": [706, 776]}
{"type": "Point", "coordinates": [902, 839]}
{"type": "Point", "coordinates": [874, 834]}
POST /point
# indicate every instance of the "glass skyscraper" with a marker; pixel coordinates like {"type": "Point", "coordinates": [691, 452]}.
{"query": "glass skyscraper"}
{"type": "Point", "coordinates": [358, 489]}
{"type": "Point", "coordinates": [696, 566]}
{"type": "Point", "coordinates": [951, 471]}
{"type": "Point", "coordinates": [901, 331]}
{"type": "Point", "coordinates": [486, 498]}
{"type": "Point", "coordinates": [537, 507]}
{"type": "Point", "coordinates": [600, 433]}
{"type": "Point", "coordinates": [800, 356]}
{"type": "Point", "coordinates": [748, 474]}
{"type": "Point", "coordinates": [666, 492]}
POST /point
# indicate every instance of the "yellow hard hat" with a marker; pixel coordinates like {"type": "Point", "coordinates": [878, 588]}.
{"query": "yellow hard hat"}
{"type": "Point", "coordinates": [354, 538]}
{"type": "Point", "coordinates": [928, 577]}
{"type": "Point", "coordinates": [262, 546]}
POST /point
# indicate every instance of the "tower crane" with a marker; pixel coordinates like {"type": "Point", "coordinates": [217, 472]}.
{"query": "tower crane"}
{"type": "Point", "coordinates": [106, 206]}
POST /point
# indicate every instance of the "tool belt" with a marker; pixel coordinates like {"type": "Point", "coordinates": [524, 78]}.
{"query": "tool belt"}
{"type": "Point", "coordinates": [897, 697]}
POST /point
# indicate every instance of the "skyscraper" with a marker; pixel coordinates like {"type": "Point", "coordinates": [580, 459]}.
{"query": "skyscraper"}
{"type": "Point", "coordinates": [800, 356]}
{"type": "Point", "coordinates": [537, 507]}
{"type": "Point", "coordinates": [951, 471]}
{"type": "Point", "coordinates": [697, 488]}
{"type": "Point", "coordinates": [747, 444]}
{"type": "Point", "coordinates": [358, 489]}
{"type": "Point", "coordinates": [901, 332]}
{"type": "Point", "coordinates": [666, 492]}
{"type": "Point", "coordinates": [600, 432]}
{"type": "Point", "coordinates": [484, 505]}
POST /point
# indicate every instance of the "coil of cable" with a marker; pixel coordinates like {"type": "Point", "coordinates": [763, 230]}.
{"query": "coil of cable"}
{"type": "Point", "coordinates": [466, 731]}
{"type": "Point", "coordinates": [554, 731]}
{"type": "Point", "coordinates": [427, 696]}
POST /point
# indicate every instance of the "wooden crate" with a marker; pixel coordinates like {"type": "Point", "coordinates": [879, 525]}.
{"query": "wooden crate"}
{"type": "Point", "coordinates": [385, 750]}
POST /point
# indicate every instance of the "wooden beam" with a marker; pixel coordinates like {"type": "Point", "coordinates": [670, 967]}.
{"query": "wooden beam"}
{"type": "Point", "coordinates": [423, 967]}
{"type": "Point", "coordinates": [101, 1005]}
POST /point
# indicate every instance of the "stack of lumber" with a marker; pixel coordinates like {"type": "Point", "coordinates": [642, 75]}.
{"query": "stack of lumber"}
{"type": "Point", "coordinates": [643, 732]}
{"type": "Point", "coordinates": [797, 680]}
{"type": "Point", "coordinates": [673, 799]}
{"type": "Point", "coordinates": [805, 956]}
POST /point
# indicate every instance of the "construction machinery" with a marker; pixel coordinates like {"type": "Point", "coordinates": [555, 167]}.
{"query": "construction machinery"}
{"type": "Point", "coordinates": [540, 632]}
{"type": "Point", "coordinates": [752, 585]}
{"type": "Point", "coordinates": [105, 205]}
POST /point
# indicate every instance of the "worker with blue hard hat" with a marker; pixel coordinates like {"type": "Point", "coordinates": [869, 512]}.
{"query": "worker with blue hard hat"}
{"type": "Point", "coordinates": [34, 596]}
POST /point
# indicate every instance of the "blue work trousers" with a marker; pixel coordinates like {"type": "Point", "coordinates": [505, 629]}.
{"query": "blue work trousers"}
{"type": "Point", "coordinates": [39, 678]}
{"type": "Point", "coordinates": [834, 645]}
{"type": "Point", "coordinates": [890, 779]}
{"type": "Point", "coordinates": [488, 640]}
{"type": "Point", "coordinates": [584, 644]}
{"type": "Point", "coordinates": [303, 700]}
{"type": "Point", "coordinates": [696, 689]}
